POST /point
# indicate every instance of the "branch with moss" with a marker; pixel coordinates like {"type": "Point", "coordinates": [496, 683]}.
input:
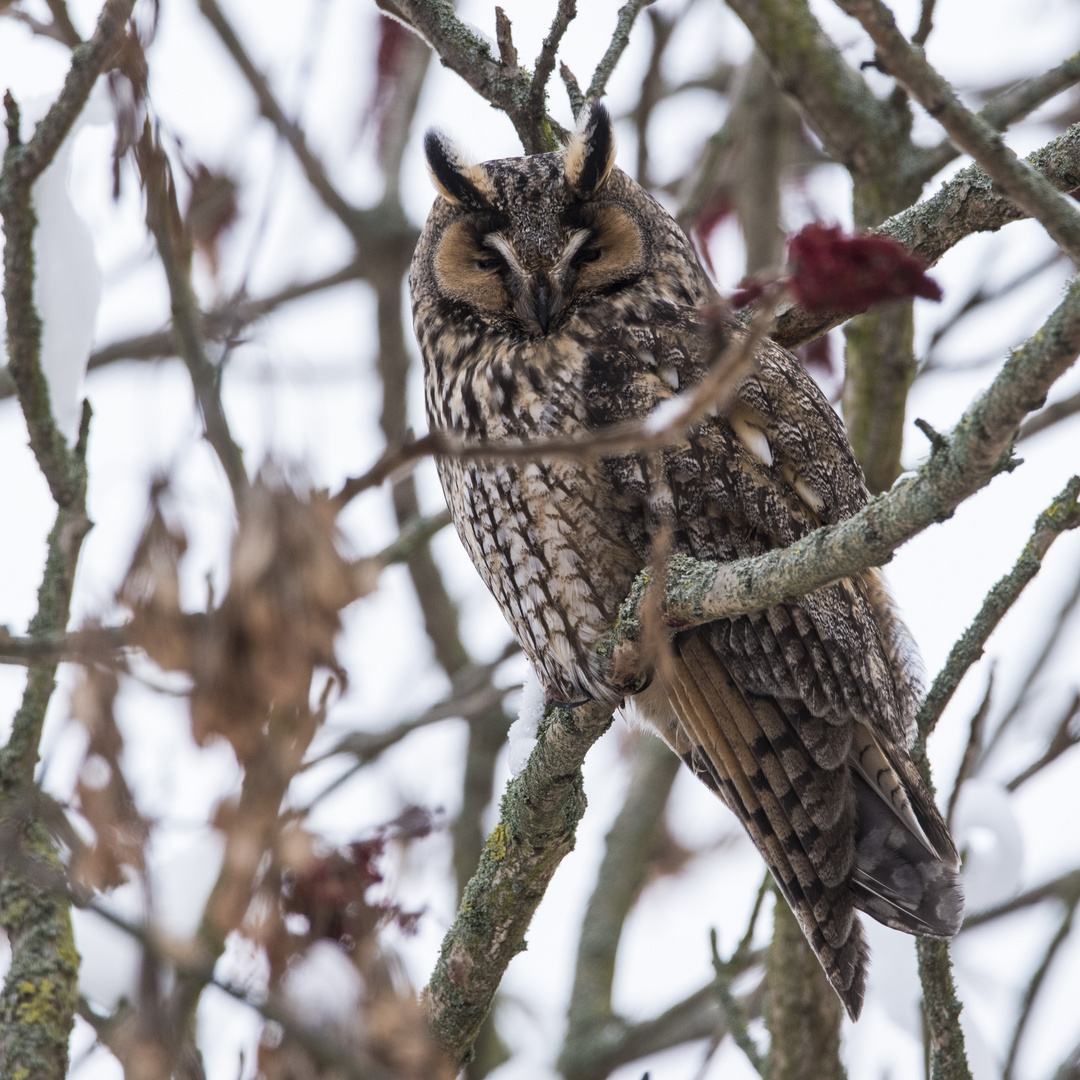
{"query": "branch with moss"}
{"type": "Point", "coordinates": [540, 813]}
{"type": "Point", "coordinates": [38, 1001]}
{"type": "Point", "coordinates": [498, 80]}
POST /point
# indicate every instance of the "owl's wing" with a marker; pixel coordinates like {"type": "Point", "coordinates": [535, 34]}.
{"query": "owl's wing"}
{"type": "Point", "coordinates": [796, 715]}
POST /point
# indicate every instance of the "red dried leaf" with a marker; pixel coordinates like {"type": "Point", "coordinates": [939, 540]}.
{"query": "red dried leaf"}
{"type": "Point", "coordinates": [831, 271]}
{"type": "Point", "coordinates": [212, 208]}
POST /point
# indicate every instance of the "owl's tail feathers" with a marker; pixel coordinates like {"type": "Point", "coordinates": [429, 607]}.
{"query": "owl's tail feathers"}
{"type": "Point", "coordinates": [801, 816]}
{"type": "Point", "coordinates": [907, 870]}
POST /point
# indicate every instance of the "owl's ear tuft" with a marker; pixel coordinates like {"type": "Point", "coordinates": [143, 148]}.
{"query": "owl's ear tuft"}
{"type": "Point", "coordinates": [454, 178]}
{"type": "Point", "coordinates": [590, 154]}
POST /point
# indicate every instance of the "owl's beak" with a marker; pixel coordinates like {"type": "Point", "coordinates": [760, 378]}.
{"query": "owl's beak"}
{"type": "Point", "coordinates": [543, 306]}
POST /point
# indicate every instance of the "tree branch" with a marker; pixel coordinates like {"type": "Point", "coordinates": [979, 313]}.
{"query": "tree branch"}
{"type": "Point", "coordinates": [540, 812]}
{"type": "Point", "coordinates": [1019, 181]}
{"type": "Point", "coordinates": [1060, 516]}
{"type": "Point", "coordinates": [1007, 107]}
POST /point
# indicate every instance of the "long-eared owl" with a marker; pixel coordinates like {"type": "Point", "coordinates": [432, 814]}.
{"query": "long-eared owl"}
{"type": "Point", "coordinates": [553, 296]}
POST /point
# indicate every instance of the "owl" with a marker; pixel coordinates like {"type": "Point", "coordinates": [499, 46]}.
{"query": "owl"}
{"type": "Point", "coordinates": [553, 296]}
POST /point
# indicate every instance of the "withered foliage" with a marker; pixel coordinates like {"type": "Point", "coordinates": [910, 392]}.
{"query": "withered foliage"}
{"type": "Point", "coordinates": [102, 791]}
{"type": "Point", "coordinates": [318, 894]}
{"type": "Point", "coordinates": [275, 626]}
{"type": "Point", "coordinates": [252, 662]}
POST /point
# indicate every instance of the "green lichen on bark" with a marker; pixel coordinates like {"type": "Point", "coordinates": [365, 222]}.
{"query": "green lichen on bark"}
{"type": "Point", "coordinates": [539, 816]}
{"type": "Point", "coordinates": [40, 994]}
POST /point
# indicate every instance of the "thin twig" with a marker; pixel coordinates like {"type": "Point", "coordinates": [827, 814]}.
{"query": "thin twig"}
{"type": "Point", "coordinates": [926, 23]}
{"type": "Point", "coordinates": [1048, 417]}
{"type": "Point", "coordinates": [1035, 985]}
{"type": "Point", "coordinates": [733, 1013]}
{"type": "Point", "coordinates": [1065, 888]}
{"type": "Point", "coordinates": [619, 40]}
{"type": "Point", "coordinates": [971, 750]}
{"type": "Point", "coordinates": [291, 132]}
{"type": "Point", "coordinates": [1053, 637]}
{"type": "Point", "coordinates": [657, 430]}
{"type": "Point", "coordinates": [1061, 515]}
{"type": "Point", "coordinates": [565, 13]}
{"type": "Point", "coordinates": [1063, 739]}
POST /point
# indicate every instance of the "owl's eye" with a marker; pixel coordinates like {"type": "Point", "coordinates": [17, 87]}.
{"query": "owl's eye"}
{"type": "Point", "coordinates": [489, 261]}
{"type": "Point", "coordinates": [588, 254]}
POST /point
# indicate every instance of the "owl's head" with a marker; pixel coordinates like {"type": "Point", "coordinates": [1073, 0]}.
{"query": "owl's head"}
{"type": "Point", "coordinates": [521, 243]}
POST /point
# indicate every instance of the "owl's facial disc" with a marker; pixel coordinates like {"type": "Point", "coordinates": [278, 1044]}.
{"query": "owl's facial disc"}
{"type": "Point", "coordinates": [602, 249]}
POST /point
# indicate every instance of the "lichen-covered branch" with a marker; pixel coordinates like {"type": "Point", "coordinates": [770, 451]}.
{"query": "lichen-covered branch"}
{"type": "Point", "coordinates": [624, 22]}
{"type": "Point", "coordinates": [1060, 516]}
{"type": "Point", "coordinates": [37, 1004]}
{"type": "Point", "coordinates": [507, 86]}
{"type": "Point", "coordinates": [540, 812]}
{"type": "Point", "coordinates": [978, 449]}
{"type": "Point", "coordinates": [941, 1007]}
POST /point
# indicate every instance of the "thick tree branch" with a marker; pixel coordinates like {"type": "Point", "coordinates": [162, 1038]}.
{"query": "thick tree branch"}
{"type": "Point", "coordinates": [540, 812]}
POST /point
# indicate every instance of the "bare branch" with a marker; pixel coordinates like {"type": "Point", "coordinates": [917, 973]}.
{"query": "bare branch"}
{"type": "Point", "coordinates": [1065, 888]}
{"type": "Point", "coordinates": [1009, 106]}
{"type": "Point", "coordinates": [1035, 985]}
{"type": "Point", "coordinates": [164, 221]}
{"type": "Point", "coordinates": [619, 40]}
{"type": "Point", "coordinates": [1052, 414]}
{"type": "Point", "coordinates": [1060, 516]}
{"type": "Point", "coordinates": [545, 62]}
{"type": "Point", "coordinates": [1020, 182]}
{"type": "Point", "coordinates": [1064, 738]}
{"type": "Point", "coordinates": [972, 749]}
{"type": "Point", "coordinates": [292, 133]}
{"type": "Point", "coordinates": [1053, 636]}
{"type": "Point", "coordinates": [966, 204]}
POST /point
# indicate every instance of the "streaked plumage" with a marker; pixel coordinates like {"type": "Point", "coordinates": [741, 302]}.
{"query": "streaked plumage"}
{"type": "Point", "coordinates": [552, 295]}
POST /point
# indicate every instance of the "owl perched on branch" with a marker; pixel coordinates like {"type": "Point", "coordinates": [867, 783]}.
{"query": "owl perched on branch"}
{"type": "Point", "coordinates": [553, 296]}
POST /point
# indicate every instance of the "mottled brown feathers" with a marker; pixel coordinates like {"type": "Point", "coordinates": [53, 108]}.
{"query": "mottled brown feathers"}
{"type": "Point", "coordinates": [553, 296]}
